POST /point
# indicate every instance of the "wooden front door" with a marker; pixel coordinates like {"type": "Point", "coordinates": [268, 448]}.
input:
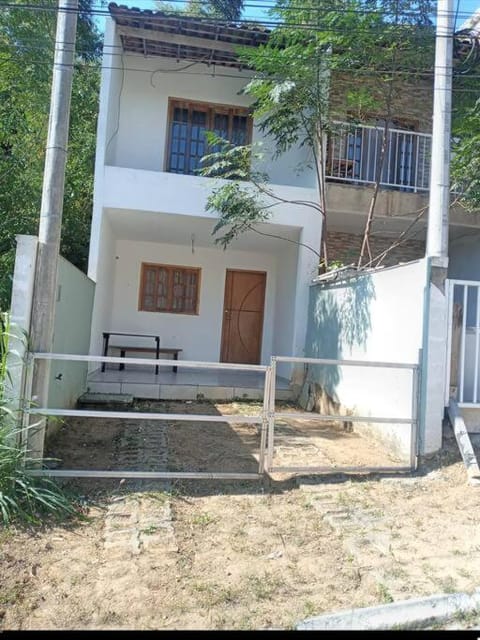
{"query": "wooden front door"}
{"type": "Point", "coordinates": [243, 316]}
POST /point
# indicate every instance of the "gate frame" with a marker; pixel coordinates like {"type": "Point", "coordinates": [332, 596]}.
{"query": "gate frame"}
{"type": "Point", "coordinates": [413, 421]}
{"type": "Point", "coordinates": [231, 419]}
{"type": "Point", "coordinates": [451, 284]}
{"type": "Point", "coordinates": [266, 419]}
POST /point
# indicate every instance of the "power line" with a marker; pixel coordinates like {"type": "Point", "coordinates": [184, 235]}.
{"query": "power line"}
{"type": "Point", "coordinates": [219, 20]}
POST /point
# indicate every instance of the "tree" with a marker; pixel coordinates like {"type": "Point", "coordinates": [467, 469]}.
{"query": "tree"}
{"type": "Point", "coordinates": [315, 44]}
{"type": "Point", "coordinates": [229, 10]}
{"type": "Point", "coordinates": [465, 164]}
{"type": "Point", "coordinates": [27, 40]}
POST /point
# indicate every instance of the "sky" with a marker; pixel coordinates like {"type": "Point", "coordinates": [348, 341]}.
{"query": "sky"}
{"type": "Point", "coordinates": [257, 9]}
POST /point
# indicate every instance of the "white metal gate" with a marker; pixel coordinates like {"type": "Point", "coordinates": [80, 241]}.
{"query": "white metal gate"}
{"type": "Point", "coordinates": [265, 419]}
{"type": "Point", "coordinates": [463, 343]}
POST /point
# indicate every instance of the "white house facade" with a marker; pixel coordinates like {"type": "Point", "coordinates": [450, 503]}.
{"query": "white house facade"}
{"type": "Point", "coordinates": [152, 254]}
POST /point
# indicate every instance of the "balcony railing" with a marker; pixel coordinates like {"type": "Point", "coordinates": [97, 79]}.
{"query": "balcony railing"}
{"type": "Point", "coordinates": [354, 156]}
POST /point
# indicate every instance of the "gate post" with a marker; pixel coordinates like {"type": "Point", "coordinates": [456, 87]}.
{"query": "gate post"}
{"type": "Point", "coordinates": [20, 315]}
{"type": "Point", "coordinates": [271, 412]}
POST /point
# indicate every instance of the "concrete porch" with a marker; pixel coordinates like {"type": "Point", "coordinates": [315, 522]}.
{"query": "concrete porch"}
{"type": "Point", "coordinates": [186, 384]}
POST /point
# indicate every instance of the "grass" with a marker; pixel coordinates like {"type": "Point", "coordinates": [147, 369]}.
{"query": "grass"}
{"type": "Point", "coordinates": [23, 497]}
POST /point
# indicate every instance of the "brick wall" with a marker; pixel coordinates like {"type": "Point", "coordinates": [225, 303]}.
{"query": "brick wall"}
{"type": "Point", "coordinates": [345, 248]}
{"type": "Point", "coordinates": [413, 101]}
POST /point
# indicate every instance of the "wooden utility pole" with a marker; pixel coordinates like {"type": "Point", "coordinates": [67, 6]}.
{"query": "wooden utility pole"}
{"type": "Point", "coordinates": [43, 308]}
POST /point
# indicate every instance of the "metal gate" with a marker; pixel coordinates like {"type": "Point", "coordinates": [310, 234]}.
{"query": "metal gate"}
{"type": "Point", "coordinates": [265, 420]}
{"type": "Point", "coordinates": [463, 343]}
{"type": "Point", "coordinates": [411, 420]}
{"type": "Point", "coordinates": [258, 419]}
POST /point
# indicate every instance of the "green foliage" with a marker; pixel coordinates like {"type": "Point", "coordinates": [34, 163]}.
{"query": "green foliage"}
{"type": "Point", "coordinates": [23, 497]}
{"type": "Point", "coordinates": [239, 205]}
{"type": "Point", "coordinates": [27, 40]}
{"type": "Point", "coordinates": [230, 10]}
{"type": "Point", "coordinates": [465, 174]}
{"type": "Point", "coordinates": [384, 42]}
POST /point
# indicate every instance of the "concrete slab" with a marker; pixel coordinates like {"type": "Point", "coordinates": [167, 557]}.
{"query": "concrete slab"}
{"type": "Point", "coordinates": [105, 398]}
{"type": "Point", "coordinates": [418, 613]}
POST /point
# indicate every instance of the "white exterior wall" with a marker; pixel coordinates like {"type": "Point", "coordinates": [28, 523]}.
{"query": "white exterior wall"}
{"type": "Point", "coordinates": [72, 324]}
{"type": "Point", "coordinates": [141, 139]}
{"type": "Point", "coordinates": [104, 288]}
{"type": "Point", "coordinates": [130, 179]}
{"type": "Point", "coordinates": [198, 335]}
{"type": "Point", "coordinates": [382, 321]}
{"type": "Point", "coordinates": [109, 106]}
{"type": "Point", "coordinates": [464, 258]}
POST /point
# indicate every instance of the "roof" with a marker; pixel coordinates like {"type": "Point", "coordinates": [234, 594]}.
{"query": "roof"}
{"type": "Point", "coordinates": [171, 35]}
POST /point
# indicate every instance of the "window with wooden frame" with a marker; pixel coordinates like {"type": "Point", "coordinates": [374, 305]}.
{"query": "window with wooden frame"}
{"type": "Point", "coordinates": [168, 288]}
{"type": "Point", "coordinates": [187, 124]}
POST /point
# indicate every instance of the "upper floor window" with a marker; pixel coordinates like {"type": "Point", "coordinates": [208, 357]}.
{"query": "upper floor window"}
{"type": "Point", "coordinates": [187, 124]}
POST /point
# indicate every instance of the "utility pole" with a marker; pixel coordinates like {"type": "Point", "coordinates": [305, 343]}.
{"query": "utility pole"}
{"type": "Point", "coordinates": [435, 310]}
{"type": "Point", "coordinates": [43, 308]}
{"type": "Point", "coordinates": [438, 212]}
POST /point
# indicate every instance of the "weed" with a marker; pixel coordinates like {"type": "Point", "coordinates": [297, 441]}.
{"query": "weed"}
{"type": "Point", "coordinates": [309, 608]}
{"type": "Point", "coordinates": [203, 519]}
{"type": "Point", "coordinates": [464, 573]}
{"type": "Point", "coordinates": [466, 617]}
{"type": "Point", "coordinates": [214, 594]}
{"type": "Point", "coordinates": [447, 584]}
{"type": "Point", "coordinates": [264, 587]}
{"type": "Point", "coordinates": [11, 595]}
{"type": "Point", "coordinates": [149, 531]}
{"type": "Point", "coordinates": [383, 593]}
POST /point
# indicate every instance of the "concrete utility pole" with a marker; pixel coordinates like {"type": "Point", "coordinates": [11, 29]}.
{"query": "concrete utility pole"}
{"type": "Point", "coordinates": [41, 331]}
{"type": "Point", "coordinates": [438, 212]}
{"type": "Point", "coordinates": [435, 311]}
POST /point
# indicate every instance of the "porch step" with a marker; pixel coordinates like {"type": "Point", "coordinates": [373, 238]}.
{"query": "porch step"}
{"type": "Point", "coordinates": [89, 398]}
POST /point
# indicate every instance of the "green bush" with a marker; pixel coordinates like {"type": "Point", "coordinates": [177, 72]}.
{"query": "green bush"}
{"type": "Point", "coordinates": [23, 497]}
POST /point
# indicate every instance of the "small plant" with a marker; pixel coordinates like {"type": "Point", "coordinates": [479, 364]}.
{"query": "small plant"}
{"type": "Point", "coordinates": [309, 608]}
{"type": "Point", "coordinates": [447, 584]}
{"type": "Point", "coordinates": [203, 519]}
{"type": "Point", "coordinates": [384, 594]}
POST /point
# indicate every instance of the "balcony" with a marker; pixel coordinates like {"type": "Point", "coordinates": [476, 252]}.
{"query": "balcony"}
{"type": "Point", "coordinates": [354, 156]}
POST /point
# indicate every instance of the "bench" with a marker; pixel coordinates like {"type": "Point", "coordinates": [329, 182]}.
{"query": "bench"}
{"type": "Point", "coordinates": [124, 348]}
{"type": "Point", "coordinates": [171, 351]}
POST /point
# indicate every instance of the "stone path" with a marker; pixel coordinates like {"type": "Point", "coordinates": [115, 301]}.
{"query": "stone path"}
{"type": "Point", "coordinates": [399, 561]}
{"type": "Point", "coordinates": [137, 527]}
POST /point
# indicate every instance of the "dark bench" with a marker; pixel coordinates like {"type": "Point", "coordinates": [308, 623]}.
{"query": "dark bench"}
{"type": "Point", "coordinates": [171, 351]}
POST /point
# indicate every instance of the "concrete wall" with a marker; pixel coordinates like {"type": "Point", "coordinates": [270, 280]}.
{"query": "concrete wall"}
{"type": "Point", "coordinates": [200, 335]}
{"type": "Point", "coordinates": [345, 248]}
{"type": "Point", "coordinates": [374, 317]}
{"type": "Point", "coordinates": [464, 257]}
{"type": "Point", "coordinates": [73, 311]}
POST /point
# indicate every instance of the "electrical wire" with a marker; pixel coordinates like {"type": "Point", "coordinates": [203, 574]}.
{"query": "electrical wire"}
{"type": "Point", "coordinates": [218, 20]}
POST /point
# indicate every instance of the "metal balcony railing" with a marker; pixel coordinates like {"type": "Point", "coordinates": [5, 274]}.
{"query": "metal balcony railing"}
{"type": "Point", "coordinates": [354, 154]}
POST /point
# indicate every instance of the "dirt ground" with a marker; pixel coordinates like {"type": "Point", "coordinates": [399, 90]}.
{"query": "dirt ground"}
{"type": "Point", "coordinates": [220, 554]}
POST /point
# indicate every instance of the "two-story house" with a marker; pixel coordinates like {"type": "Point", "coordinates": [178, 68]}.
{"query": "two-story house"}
{"type": "Point", "coordinates": [166, 79]}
